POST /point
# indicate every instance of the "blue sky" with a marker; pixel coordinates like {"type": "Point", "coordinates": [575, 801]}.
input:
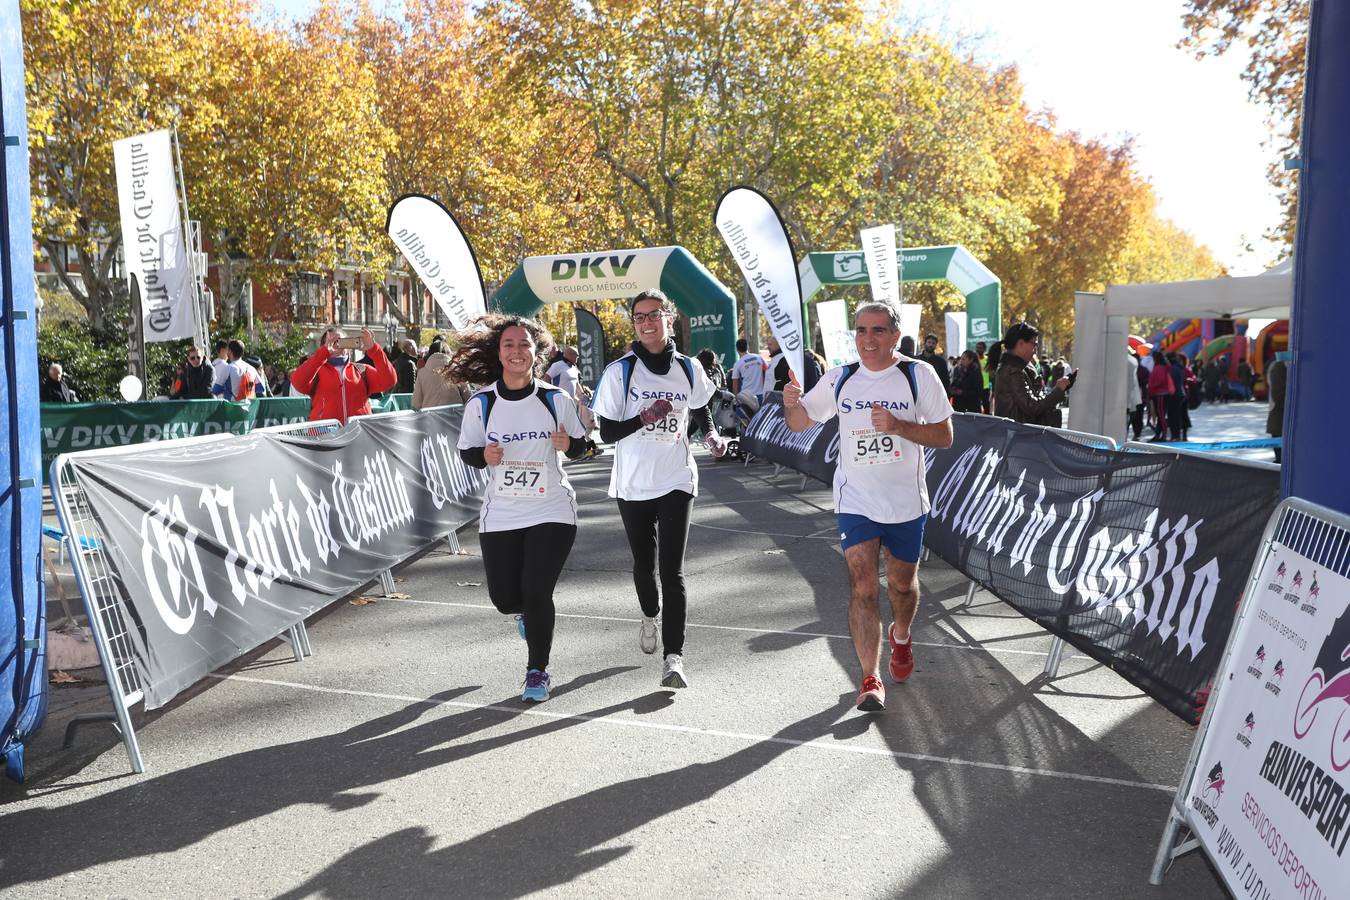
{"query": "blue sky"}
{"type": "Point", "coordinates": [1110, 69]}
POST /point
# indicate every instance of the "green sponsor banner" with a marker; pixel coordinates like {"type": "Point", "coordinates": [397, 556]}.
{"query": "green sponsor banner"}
{"type": "Point", "coordinates": [67, 427]}
{"type": "Point", "coordinates": [620, 274]}
{"type": "Point", "coordinates": [953, 264]}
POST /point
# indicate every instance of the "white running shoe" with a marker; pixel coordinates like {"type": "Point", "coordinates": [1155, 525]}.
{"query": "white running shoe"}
{"type": "Point", "coordinates": [647, 633]}
{"type": "Point", "coordinates": [672, 673]}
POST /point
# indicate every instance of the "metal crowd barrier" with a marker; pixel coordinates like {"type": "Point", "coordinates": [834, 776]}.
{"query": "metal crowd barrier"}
{"type": "Point", "coordinates": [100, 586]}
{"type": "Point", "coordinates": [1055, 656]}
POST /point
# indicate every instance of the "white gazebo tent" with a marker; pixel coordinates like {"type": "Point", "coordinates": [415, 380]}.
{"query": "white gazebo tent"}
{"type": "Point", "coordinates": [1102, 326]}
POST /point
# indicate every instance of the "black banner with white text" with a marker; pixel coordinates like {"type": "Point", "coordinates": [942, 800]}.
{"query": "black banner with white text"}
{"type": "Point", "coordinates": [223, 545]}
{"type": "Point", "coordinates": [1136, 559]}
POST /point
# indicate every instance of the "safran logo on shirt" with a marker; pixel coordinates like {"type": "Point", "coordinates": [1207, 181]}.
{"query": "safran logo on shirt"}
{"type": "Point", "coordinates": [672, 396]}
{"type": "Point", "coordinates": [495, 438]}
{"type": "Point", "coordinates": [847, 405]}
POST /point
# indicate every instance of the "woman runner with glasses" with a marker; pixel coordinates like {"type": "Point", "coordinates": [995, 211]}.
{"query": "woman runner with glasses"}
{"type": "Point", "coordinates": [517, 426]}
{"type": "Point", "coordinates": [644, 402]}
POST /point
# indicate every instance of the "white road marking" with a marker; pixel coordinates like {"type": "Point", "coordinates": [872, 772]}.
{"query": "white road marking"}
{"type": "Point", "coordinates": [809, 634]}
{"type": "Point", "coordinates": [818, 745]}
{"type": "Point", "coordinates": [815, 534]}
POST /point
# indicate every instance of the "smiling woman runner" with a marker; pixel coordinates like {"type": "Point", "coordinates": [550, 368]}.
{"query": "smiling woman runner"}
{"type": "Point", "coordinates": [517, 426]}
{"type": "Point", "coordinates": [644, 401]}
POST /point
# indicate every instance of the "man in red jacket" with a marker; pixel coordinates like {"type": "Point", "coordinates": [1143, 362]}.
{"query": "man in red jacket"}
{"type": "Point", "coordinates": [338, 387]}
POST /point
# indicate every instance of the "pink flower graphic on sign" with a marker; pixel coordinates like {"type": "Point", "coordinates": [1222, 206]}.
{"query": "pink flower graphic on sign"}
{"type": "Point", "coordinates": [1328, 687]}
{"type": "Point", "coordinates": [1215, 781]}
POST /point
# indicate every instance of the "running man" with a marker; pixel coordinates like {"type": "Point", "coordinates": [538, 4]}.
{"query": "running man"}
{"type": "Point", "coordinates": [517, 426]}
{"type": "Point", "coordinates": [890, 407]}
{"type": "Point", "coordinates": [644, 401]}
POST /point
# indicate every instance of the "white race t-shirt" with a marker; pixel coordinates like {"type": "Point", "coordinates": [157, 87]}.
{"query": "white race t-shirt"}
{"type": "Point", "coordinates": [750, 370]}
{"type": "Point", "coordinates": [566, 376]}
{"type": "Point", "coordinates": [655, 459]}
{"type": "Point", "coordinates": [530, 486]}
{"type": "Point", "coordinates": [880, 476]}
{"type": "Point", "coordinates": [221, 372]}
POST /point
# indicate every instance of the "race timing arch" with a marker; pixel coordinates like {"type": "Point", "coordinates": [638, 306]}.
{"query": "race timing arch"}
{"type": "Point", "coordinates": [953, 264]}
{"type": "Point", "coordinates": [619, 275]}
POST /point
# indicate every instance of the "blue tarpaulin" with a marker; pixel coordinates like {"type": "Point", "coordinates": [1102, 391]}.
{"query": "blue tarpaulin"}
{"type": "Point", "coordinates": [23, 627]}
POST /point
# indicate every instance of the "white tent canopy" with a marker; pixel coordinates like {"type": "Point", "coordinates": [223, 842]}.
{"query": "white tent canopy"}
{"type": "Point", "coordinates": [1102, 324]}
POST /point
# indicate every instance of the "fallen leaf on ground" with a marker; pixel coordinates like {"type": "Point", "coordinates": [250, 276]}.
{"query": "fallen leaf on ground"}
{"type": "Point", "coordinates": [395, 595]}
{"type": "Point", "coordinates": [56, 676]}
{"type": "Point", "coordinates": [774, 552]}
{"type": "Point", "coordinates": [361, 601]}
{"type": "Point", "coordinates": [400, 578]}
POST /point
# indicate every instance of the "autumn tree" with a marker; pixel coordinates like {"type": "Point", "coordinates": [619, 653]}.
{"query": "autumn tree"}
{"type": "Point", "coordinates": [98, 72]}
{"type": "Point", "coordinates": [1275, 34]}
{"type": "Point", "coordinates": [680, 100]}
{"type": "Point", "coordinates": [291, 173]}
{"type": "Point", "coordinates": [512, 172]}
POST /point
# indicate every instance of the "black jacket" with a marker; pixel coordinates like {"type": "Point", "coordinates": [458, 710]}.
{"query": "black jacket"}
{"type": "Point", "coordinates": [1020, 396]}
{"type": "Point", "coordinates": [967, 388]}
{"type": "Point", "coordinates": [57, 392]}
{"type": "Point", "coordinates": [406, 367]}
{"type": "Point", "coordinates": [193, 383]}
{"type": "Point", "coordinates": [939, 364]}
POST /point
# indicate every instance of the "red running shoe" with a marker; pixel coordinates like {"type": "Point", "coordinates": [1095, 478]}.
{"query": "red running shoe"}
{"type": "Point", "coordinates": [902, 657]}
{"type": "Point", "coordinates": [872, 697]}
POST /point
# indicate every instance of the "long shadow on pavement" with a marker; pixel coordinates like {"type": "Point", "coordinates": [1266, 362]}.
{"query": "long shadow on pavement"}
{"type": "Point", "coordinates": [180, 808]}
{"type": "Point", "coordinates": [554, 845]}
{"type": "Point", "coordinates": [1011, 833]}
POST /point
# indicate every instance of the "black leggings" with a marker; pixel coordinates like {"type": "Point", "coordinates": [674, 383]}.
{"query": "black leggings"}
{"type": "Point", "coordinates": [663, 521]}
{"type": "Point", "coordinates": [523, 566]}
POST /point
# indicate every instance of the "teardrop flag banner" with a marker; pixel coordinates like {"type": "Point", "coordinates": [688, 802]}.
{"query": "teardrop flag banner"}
{"type": "Point", "coordinates": [878, 245]}
{"type": "Point", "coordinates": [753, 230]}
{"type": "Point", "coordinates": [590, 347]}
{"type": "Point", "coordinates": [435, 246]}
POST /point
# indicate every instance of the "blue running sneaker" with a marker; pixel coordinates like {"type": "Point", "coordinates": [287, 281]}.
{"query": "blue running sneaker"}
{"type": "Point", "coordinates": [536, 686]}
{"type": "Point", "coordinates": [520, 626]}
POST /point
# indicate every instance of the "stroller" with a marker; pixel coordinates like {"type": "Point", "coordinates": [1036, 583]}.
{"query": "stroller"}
{"type": "Point", "coordinates": [730, 415]}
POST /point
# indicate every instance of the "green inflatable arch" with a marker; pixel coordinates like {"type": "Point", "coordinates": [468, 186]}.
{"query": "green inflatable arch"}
{"type": "Point", "coordinates": [619, 274]}
{"type": "Point", "coordinates": [953, 264]}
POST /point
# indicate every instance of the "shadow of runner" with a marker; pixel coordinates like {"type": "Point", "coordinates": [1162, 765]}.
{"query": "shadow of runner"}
{"type": "Point", "coordinates": [554, 845]}
{"type": "Point", "coordinates": [178, 809]}
{"type": "Point", "coordinates": [1010, 833]}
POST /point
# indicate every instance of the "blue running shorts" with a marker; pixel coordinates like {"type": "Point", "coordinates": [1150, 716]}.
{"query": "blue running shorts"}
{"type": "Point", "coordinates": [903, 539]}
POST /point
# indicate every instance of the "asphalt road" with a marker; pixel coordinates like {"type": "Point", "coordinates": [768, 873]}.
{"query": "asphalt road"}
{"type": "Point", "coordinates": [399, 761]}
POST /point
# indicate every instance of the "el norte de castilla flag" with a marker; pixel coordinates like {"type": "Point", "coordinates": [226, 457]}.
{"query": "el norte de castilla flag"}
{"type": "Point", "coordinates": [435, 246]}
{"type": "Point", "coordinates": [753, 230]}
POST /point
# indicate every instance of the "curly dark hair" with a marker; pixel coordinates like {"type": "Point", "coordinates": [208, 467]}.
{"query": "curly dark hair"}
{"type": "Point", "coordinates": [477, 360]}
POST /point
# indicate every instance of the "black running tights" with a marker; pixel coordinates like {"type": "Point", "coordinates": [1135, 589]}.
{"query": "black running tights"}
{"type": "Point", "coordinates": [523, 566]}
{"type": "Point", "coordinates": [662, 522]}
